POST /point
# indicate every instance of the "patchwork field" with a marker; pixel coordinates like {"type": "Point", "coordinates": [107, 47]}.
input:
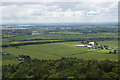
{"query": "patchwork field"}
{"type": "Point", "coordinates": [54, 51]}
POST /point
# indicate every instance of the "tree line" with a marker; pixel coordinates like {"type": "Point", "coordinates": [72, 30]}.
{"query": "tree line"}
{"type": "Point", "coordinates": [65, 67]}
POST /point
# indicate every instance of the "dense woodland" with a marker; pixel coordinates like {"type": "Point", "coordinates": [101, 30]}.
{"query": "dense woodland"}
{"type": "Point", "coordinates": [63, 68]}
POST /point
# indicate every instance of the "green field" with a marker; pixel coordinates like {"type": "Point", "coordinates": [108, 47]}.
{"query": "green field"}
{"type": "Point", "coordinates": [6, 62]}
{"type": "Point", "coordinates": [65, 35]}
{"type": "Point", "coordinates": [9, 59]}
{"type": "Point", "coordinates": [111, 44]}
{"type": "Point", "coordinates": [54, 51]}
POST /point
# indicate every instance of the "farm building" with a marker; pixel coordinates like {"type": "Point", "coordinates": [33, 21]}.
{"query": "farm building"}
{"type": "Point", "coordinates": [81, 45]}
{"type": "Point", "coordinates": [21, 58]}
{"type": "Point", "coordinates": [91, 43]}
{"type": "Point", "coordinates": [89, 46]}
{"type": "Point", "coordinates": [4, 53]}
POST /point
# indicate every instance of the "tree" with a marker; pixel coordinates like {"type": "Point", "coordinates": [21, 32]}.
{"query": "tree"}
{"type": "Point", "coordinates": [110, 75]}
{"type": "Point", "coordinates": [95, 73]}
{"type": "Point", "coordinates": [110, 52]}
{"type": "Point", "coordinates": [114, 51]}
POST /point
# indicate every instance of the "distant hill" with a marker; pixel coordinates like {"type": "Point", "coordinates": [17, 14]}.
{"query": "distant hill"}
{"type": "Point", "coordinates": [72, 24]}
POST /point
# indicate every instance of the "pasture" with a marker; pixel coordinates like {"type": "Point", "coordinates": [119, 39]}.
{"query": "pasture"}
{"type": "Point", "coordinates": [54, 51]}
{"type": "Point", "coordinates": [9, 59]}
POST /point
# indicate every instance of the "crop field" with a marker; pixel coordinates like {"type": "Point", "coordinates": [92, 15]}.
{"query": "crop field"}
{"type": "Point", "coordinates": [54, 51]}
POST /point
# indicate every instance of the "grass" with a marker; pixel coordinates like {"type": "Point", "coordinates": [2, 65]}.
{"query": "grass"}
{"type": "Point", "coordinates": [9, 59]}
{"type": "Point", "coordinates": [6, 62]}
{"type": "Point", "coordinates": [57, 50]}
{"type": "Point", "coordinates": [5, 42]}
{"type": "Point", "coordinates": [98, 56]}
{"type": "Point", "coordinates": [111, 44]}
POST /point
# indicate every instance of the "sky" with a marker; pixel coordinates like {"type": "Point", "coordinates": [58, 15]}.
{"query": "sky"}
{"type": "Point", "coordinates": [58, 12]}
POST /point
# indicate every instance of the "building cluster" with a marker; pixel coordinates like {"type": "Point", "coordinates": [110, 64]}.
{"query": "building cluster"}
{"type": "Point", "coordinates": [35, 33]}
{"type": "Point", "coordinates": [94, 45]}
{"type": "Point", "coordinates": [89, 45]}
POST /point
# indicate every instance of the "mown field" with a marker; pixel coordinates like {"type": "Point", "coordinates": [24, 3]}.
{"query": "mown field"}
{"type": "Point", "coordinates": [54, 51]}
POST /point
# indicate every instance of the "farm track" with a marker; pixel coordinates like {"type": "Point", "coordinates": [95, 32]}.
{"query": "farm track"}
{"type": "Point", "coordinates": [84, 52]}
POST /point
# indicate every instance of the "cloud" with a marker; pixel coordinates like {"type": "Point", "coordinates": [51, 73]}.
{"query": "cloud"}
{"type": "Point", "coordinates": [13, 12]}
{"type": "Point", "coordinates": [59, 0]}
